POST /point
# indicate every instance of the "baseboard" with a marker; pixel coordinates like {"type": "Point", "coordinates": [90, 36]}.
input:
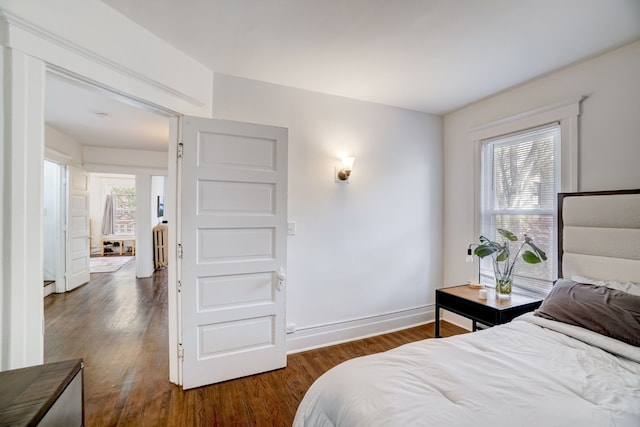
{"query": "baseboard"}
{"type": "Point", "coordinates": [457, 320]}
{"type": "Point", "coordinates": [308, 338]}
{"type": "Point", "coordinates": [49, 289]}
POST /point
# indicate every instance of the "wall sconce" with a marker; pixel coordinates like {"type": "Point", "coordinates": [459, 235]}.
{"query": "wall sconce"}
{"type": "Point", "coordinates": [343, 174]}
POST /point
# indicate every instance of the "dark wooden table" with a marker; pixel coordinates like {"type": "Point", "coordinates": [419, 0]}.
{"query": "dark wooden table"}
{"type": "Point", "coordinates": [465, 301]}
{"type": "Point", "coordinates": [49, 394]}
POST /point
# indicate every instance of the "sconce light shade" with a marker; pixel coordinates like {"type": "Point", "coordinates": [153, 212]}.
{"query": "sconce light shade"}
{"type": "Point", "coordinates": [347, 162]}
{"type": "Point", "coordinates": [347, 165]}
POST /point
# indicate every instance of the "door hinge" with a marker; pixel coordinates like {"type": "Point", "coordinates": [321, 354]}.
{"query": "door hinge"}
{"type": "Point", "coordinates": [180, 250]}
{"type": "Point", "coordinates": [179, 286]}
{"type": "Point", "coordinates": [180, 150]}
{"type": "Point", "coordinates": [180, 352]}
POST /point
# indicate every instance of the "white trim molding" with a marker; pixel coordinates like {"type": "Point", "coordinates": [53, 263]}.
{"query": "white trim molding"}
{"type": "Point", "coordinates": [59, 157]}
{"type": "Point", "coordinates": [316, 336]}
{"type": "Point", "coordinates": [573, 105]}
{"type": "Point", "coordinates": [189, 91]}
{"type": "Point", "coordinates": [126, 161]}
{"type": "Point", "coordinates": [42, 34]}
{"type": "Point", "coordinates": [21, 274]}
{"type": "Point", "coordinates": [564, 112]}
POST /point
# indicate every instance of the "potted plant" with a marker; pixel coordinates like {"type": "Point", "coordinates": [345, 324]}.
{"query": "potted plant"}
{"type": "Point", "coordinates": [503, 263]}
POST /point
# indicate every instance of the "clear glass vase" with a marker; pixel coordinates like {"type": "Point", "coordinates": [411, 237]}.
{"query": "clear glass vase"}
{"type": "Point", "coordinates": [504, 278]}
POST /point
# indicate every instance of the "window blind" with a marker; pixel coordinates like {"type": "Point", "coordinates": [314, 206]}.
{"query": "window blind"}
{"type": "Point", "coordinates": [520, 177]}
{"type": "Point", "coordinates": [124, 200]}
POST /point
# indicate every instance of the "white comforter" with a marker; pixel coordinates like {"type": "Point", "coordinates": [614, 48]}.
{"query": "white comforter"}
{"type": "Point", "coordinates": [530, 372]}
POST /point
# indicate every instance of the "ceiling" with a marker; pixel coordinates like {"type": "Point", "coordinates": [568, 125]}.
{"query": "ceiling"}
{"type": "Point", "coordinates": [427, 55]}
{"type": "Point", "coordinates": [99, 118]}
{"type": "Point", "coordinates": [433, 56]}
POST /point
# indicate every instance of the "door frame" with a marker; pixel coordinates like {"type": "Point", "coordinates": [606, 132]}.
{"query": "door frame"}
{"type": "Point", "coordinates": [61, 213]}
{"type": "Point", "coordinates": [28, 51]}
{"type": "Point", "coordinates": [175, 368]}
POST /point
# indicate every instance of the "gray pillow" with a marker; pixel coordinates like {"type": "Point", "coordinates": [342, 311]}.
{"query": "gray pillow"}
{"type": "Point", "coordinates": [609, 312]}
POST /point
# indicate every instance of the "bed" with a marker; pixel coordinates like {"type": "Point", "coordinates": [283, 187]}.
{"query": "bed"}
{"type": "Point", "coordinates": [574, 362]}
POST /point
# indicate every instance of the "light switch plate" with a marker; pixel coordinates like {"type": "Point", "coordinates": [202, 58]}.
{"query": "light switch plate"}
{"type": "Point", "coordinates": [291, 228]}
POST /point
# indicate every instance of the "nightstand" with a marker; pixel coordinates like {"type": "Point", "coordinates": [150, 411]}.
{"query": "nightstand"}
{"type": "Point", "coordinates": [463, 300]}
{"type": "Point", "coordinates": [43, 395]}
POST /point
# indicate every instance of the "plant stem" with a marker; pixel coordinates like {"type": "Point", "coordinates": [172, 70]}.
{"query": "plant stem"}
{"type": "Point", "coordinates": [517, 255]}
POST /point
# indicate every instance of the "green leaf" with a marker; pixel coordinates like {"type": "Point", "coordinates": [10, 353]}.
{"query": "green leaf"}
{"type": "Point", "coordinates": [483, 251]}
{"type": "Point", "coordinates": [537, 250]}
{"type": "Point", "coordinates": [484, 240]}
{"type": "Point", "coordinates": [502, 256]}
{"type": "Point", "coordinates": [530, 257]}
{"type": "Point", "coordinates": [508, 235]}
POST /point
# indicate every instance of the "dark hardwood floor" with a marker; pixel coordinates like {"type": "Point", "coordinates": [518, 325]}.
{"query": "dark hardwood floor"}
{"type": "Point", "coordinates": [118, 324]}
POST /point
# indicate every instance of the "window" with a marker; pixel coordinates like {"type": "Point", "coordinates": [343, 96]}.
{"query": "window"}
{"type": "Point", "coordinates": [124, 205]}
{"type": "Point", "coordinates": [520, 177]}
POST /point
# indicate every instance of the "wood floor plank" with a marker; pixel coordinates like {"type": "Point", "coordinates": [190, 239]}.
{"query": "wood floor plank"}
{"type": "Point", "coordinates": [118, 325]}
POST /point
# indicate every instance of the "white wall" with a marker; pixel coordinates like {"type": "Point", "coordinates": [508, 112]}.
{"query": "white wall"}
{"type": "Point", "coordinates": [158, 184]}
{"type": "Point", "coordinates": [117, 160]}
{"type": "Point", "coordinates": [144, 225]}
{"type": "Point", "coordinates": [364, 249]}
{"type": "Point", "coordinates": [61, 148]}
{"type": "Point", "coordinates": [609, 146]}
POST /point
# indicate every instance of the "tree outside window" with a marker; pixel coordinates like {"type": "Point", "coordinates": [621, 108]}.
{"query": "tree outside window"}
{"type": "Point", "coordinates": [124, 204]}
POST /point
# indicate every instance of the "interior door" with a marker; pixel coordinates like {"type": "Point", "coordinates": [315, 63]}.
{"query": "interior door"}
{"type": "Point", "coordinates": [78, 248]}
{"type": "Point", "coordinates": [232, 203]}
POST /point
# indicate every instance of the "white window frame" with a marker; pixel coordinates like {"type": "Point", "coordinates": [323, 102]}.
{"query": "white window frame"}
{"type": "Point", "coordinates": [565, 113]}
{"type": "Point", "coordinates": [115, 209]}
{"type": "Point", "coordinates": [107, 181]}
{"type": "Point", "coordinates": [489, 211]}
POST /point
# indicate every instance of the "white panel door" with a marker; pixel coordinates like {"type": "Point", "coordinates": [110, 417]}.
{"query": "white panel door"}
{"type": "Point", "coordinates": [232, 199]}
{"type": "Point", "coordinates": [78, 250]}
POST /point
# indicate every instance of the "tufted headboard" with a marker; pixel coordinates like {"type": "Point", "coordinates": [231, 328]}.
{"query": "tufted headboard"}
{"type": "Point", "coordinates": [599, 235]}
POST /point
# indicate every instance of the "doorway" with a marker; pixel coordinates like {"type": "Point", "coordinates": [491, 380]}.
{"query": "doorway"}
{"type": "Point", "coordinates": [107, 134]}
{"type": "Point", "coordinates": [52, 227]}
{"type": "Point", "coordinates": [121, 150]}
{"type": "Point", "coordinates": [35, 50]}
{"type": "Point", "coordinates": [113, 221]}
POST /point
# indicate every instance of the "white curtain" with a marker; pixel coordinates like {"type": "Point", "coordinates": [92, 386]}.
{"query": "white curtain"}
{"type": "Point", "coordinates": [107, 217]}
